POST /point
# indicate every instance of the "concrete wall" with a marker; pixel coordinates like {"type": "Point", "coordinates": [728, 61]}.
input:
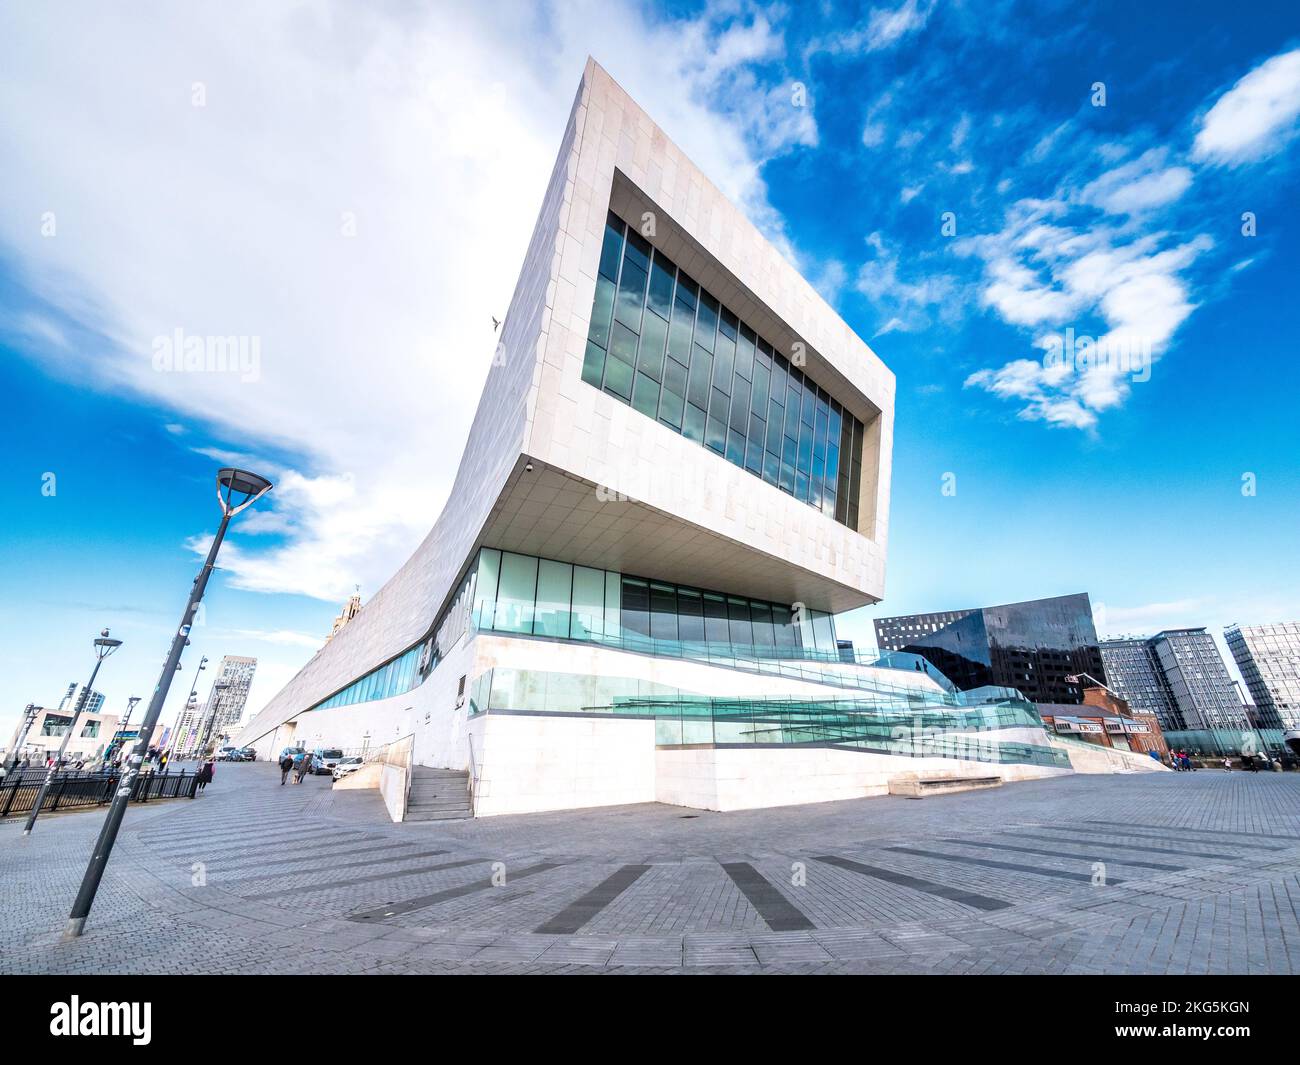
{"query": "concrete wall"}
{"type": "Point", "coordinates": [531, 764]}
{"type": "Point", "coordinates": [733, 779]}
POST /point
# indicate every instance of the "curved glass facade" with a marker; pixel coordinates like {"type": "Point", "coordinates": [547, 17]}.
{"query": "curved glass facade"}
{"type": "Point", "coordinates": [659, 342]}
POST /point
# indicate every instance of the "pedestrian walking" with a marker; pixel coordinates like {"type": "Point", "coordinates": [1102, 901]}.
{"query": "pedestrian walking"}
{"type": "Point", "coordinates": [205, 774]}
{"type": "Point", "coordinates": [302, 767]}
{"type": "Point", "coordinates": [286, 766]}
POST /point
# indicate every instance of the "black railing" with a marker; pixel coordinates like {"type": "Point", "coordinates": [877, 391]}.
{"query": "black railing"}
{"type": "Point", "coordinates": [81, 789]}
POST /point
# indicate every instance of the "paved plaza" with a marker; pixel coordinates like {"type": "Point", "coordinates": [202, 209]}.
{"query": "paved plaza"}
{"type": "Point", "coordinates": [1150, 873]}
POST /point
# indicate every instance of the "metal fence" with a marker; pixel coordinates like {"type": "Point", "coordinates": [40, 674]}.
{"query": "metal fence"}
{"type": "Point", "coordinates": [75, 790]}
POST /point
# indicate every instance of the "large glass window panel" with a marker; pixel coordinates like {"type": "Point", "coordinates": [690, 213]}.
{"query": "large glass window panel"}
{"type": "Point", "coordinates": [724, 358]}
{"type": "Point", "coordinates": [637, 252]}
{"type": "Point", "coordinates": [735, 447]}
{"type": "Point", "coordinates": [738, 623]}
{"type": "Point", "coordinates": [622, 344]}
{"type": "Point", "coordinates": [809, 403]}
{"type": "Point", "coordinates": [715, 619]}
{"type": "Point", "coordinates": [715, 433]}
{"type": "Point", "coordinates": [745, 353]}
{"type": "Point", "coordinates": [740, 405]}
{"type": "Point", "coordinates": [771, 467]}
{"type": "Point", "coordinates": [758, 397]}
{"type": "Point", "coordinates": [588, 616]}
{"type": "Point", "coordinates": [823, 631]}
{"type": "Point", "coordinates": [636, 607]}
{"type": "Point", "coordinates": [693, 424]}
{"type": "Point", "coordinates": [645, 395]}
{"type": "Point", "coordinates": [650, 356]}
{"type": "Point", "coordinates": [697, 391]}
{"type": "Point", "coordinates": [516, 594]}
{"type": "Point", "coordinates": [593, 364]}
{"type": "Point", "coordinates": [688, 292]}
{"type": "Point", "coordinates": [671, 405]}
{"type": "Point", "coordinates": [663, 611]}
{"type": "Point", "coordinates": [706, 322]}
{"type": "Point", "coordinates": [661, 286]}
{"type": "Point", "coordinates": [761, 614]}
{"type": "Point", "coordinates": [805, 627]}
{"type": "Point", "coordinates": [613, 601]}
{"type": "Point", "coordinates": [554, 596]}
{"type": "Point", "coordinates": [631, 296]}
{"type": "Point", "coordinates": [602, 312]}
{"type": "Point", "coordinates": [679, 332]}
{"type": "Point", "coordinates": [775, 417]}
{"type": "Point", "coordinates": [690, 615]}
{"type": "Point", "coordinates": [754, 445]}
{"type": "Point", "coordinates": [786, 480]}
{"type": "Point", "coordinates": [618, 378]}
{"type": "Point", "coordinates": [611, 251]}
{"type": "Point", "coordinates": [485, 596]}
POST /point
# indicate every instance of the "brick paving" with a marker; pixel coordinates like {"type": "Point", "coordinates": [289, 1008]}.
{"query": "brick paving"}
{"type": "Point", "coordinates": [1151, 873]}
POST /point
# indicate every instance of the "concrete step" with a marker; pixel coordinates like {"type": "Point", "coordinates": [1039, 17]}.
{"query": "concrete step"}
{"type": "Point", "coordinates": [438, 815]}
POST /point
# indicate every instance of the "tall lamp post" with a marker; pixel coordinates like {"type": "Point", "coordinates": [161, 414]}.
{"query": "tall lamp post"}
{"type": "Point", "coordinates": [194, 689]}
{"type": "Point", "coordinates": [230, 483]}
{"type": "Point", "coordinates": [104, 646]}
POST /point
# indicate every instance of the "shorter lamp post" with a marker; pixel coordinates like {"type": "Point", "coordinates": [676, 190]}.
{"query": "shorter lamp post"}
{"type": "Point", "coordinates": [30, 713]}
{"type": "Point", "coordinates": [230, 483]}
{"type": "Point", "coordinates": [119, 739]}
{"type": "Point", "coordinates": [103, 648]}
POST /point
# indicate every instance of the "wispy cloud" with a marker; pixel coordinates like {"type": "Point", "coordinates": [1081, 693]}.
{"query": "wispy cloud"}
{"type": "Point", "coordinates": [1254, 118]}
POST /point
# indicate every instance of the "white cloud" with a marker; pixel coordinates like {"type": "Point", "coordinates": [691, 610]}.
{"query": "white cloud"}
{"type": "Point", "coordinates": [1138, 185]}
{"type": "Point", "coordinates": [429, 134]}
{"type": "Point", "coordinates": [887, 26]}
{"type": "Point", "coordinates": [1044, 275]}
{"type": "Point", "coordinates": [1255, 117]}
{"type": "Point", "coordinates": [907, 303]}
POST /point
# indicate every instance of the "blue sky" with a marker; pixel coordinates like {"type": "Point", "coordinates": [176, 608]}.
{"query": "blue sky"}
{"type": "Point", "coordinates": [352, 190]}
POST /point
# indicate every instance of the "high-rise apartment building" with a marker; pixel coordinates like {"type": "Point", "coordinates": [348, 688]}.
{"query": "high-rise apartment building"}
{"type": "Point", "coordinates": [229, 693]}
{"type": "Point", "coordinates": [1269, 659]}
{"type": "Point", "coordinates": [1179, 675]}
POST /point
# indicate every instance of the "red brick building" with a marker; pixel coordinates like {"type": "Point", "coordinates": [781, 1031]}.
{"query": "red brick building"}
{"type": "Point", "coordinates": [1105, 719]}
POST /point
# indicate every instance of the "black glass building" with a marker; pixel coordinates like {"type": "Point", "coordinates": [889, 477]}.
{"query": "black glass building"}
{"type": "Point", "coordinates": [1032, 646]}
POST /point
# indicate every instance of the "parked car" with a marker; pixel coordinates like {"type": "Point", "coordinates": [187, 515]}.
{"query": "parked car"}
{"type": "Point", "coordinates": [244, 754]}
{"type": "Point", "coordinates": [324, 759]}
{"type": "Point", "coordinates": [225, 754]}
{"type": "Point", "coordinates": [348, 765]}
{"type": "Point", "coordinates": [290, 752]}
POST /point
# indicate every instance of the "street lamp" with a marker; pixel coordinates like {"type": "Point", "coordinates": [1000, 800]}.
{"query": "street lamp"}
{"type": "Point", "coordinates": [104, 646]}
{"type": "Point", "coordinates": [29, 718]}
{"type": "Point", "coordinates": [119, 737]}
{"type": "Point", "coordinates": [230, 483]}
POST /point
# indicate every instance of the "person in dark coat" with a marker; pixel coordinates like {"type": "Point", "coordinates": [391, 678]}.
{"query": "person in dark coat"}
{"type": "Point", "coordinates": [206, 774]}
{"type": "Point", "coordinates": [286, 766]}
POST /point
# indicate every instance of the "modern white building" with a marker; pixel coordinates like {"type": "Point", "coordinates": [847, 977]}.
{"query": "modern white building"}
{"type": "Point", "coordinates": [1269, 659]}
{"type": "Point", "coordinates": [94, 731]}
{"type": "Point", "coordinates": [677, 475]}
